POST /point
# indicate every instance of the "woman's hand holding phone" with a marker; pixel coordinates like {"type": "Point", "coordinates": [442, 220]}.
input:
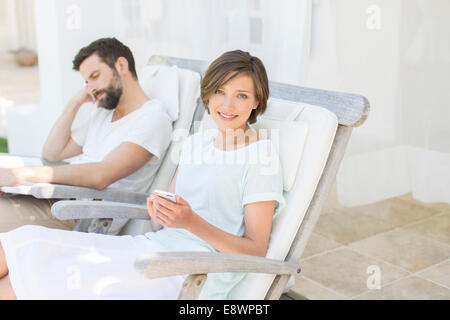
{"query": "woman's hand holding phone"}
{"type": "Point", "coordinates": [168, 213]}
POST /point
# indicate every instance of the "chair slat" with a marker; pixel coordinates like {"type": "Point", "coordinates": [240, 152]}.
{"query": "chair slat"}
{"type": "Point", "coordinates": [350, 109]}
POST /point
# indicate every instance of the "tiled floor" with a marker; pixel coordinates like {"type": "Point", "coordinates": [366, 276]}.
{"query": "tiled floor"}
{"type": "Point", "coordinates": [403, 243]}
{"type": "Point", "coordinates": [395, 249]}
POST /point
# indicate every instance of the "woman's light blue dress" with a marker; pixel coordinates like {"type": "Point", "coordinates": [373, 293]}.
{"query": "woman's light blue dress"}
{"type": "Point", "coordinates": [218, 184]}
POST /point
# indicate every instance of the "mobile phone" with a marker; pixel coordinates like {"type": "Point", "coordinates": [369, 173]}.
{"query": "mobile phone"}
{"type": "Point", "coordinates": [166, 195]}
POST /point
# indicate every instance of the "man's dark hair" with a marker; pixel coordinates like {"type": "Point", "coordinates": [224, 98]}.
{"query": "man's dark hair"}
{"type": "Point", "coordinates": [109, 50]}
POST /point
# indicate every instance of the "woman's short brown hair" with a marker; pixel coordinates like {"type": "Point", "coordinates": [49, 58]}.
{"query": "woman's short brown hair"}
{"type": "Point", "coordinates": [239, 62]}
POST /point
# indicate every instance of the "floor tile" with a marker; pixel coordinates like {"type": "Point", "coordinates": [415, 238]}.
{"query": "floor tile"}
{"type": "Point", "coordinates": [318, 244]}
{"type": "Point", "coordinates": [439, 274]}
{"type": "Point", "coordinates": [411, 288]}
{"type": "Point", "coordinates": [405, 249]}
{"type": "Point", "coordinates": [349, 226]}
{"type": "Point", "coordinates": [313, 291]}
{"type": "Point", "coordinates": [344, 271]}
{"type": "Point", "coordinates": [436, 227]}
{"type": "Point", "coordinates": [397, 212]}
{"type": "Point", "coordinates": [439, 206]}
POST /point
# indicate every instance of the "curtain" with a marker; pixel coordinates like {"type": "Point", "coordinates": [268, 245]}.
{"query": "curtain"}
{"type": "Point", "coordinates": [275, 31]}
{"type": "Point", "coordinates": [397, 54]}
{"type": "Point", "coordinates": [394, 52]}
{"type": "Point", "coordinates": [17, 25]}
{"type": "Point", "coordinates": [425, 96]}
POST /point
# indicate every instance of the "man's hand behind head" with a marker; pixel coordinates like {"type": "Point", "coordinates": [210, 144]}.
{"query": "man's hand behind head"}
{"type": "Point", "coordinates": [83, 96]}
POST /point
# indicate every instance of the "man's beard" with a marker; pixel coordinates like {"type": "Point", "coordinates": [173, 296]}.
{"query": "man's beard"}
{"type": "Point", "coordinates": [112, 94]}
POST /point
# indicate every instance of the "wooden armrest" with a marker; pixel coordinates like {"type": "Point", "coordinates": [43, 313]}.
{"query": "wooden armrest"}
{"type": "Point", "coordinates": [165, 264]}
{"type": "Point", "coordinates": [60, 191]}
{"type": "Point", "coordinates": [82, 209]}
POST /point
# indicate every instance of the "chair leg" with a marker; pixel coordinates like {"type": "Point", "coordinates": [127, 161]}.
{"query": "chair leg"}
{"type": "Point", "coordinates": [192, 287]}
{"type": "Point", "coordinates": [278, 285]}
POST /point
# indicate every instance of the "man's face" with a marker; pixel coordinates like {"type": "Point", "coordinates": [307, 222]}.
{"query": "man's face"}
{"type": "Point", "coordinates": [104, 84]}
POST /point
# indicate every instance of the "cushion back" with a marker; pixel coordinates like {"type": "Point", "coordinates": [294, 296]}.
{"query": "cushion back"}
{"type": "Point", "coordinates": [181, 106]}
{"type": "Point", "coordinates": [306, 134]}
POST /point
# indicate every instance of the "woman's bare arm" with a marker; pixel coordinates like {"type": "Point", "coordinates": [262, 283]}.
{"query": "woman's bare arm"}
{"type": "Point", "coordinates": [258, 224]}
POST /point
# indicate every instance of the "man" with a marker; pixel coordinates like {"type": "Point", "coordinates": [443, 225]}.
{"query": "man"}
{"type": "Point", "coordinates": [120, 145]}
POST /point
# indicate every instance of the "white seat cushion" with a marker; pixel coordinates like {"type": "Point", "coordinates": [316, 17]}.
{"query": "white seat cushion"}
{"type": "Point", "coordinates": [280, 114]}
{"type": "Point", "coordinates": [289, 138]}
{"type": "Point", "coordinates": [161, 82]}
{"type": "Point", "coordinates": [188, 97]}
{"type": "Point", "coordinates": [322, 125]}
{"type": "Point", "coordinates": [283, 110]}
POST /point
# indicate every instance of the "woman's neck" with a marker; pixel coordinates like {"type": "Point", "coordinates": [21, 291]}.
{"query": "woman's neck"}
{"type": "Point", "coordinates": [233, 139]}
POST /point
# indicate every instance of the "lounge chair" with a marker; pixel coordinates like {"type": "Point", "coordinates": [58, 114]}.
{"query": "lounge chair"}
{"type": "Point", "coordinates": [319, 124]}
{"type": "Point", "coordinates": [187, 82]}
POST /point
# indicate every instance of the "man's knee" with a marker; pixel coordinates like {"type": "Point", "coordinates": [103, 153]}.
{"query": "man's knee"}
{"type": "Point", "coordinates": [26, 210]}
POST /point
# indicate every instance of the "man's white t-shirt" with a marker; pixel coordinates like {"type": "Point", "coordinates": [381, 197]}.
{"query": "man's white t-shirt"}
{"type": "Point", "coordinates": [149, 127]}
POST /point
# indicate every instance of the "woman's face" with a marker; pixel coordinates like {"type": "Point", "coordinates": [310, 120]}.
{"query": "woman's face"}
{"type": "Point", "coordinates": [231, 105]}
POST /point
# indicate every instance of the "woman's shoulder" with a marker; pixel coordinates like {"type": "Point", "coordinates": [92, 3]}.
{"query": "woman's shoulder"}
{"type": "Point", "coordinates": [195, 141]}
{"type": "Point", "coordinates": [266, 151]}
{"type": "Point", "coordinates": [267, 144]}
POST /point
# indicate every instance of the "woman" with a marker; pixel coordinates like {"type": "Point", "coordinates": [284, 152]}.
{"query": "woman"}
{"type": "Point", "coordinates": [226, 200]}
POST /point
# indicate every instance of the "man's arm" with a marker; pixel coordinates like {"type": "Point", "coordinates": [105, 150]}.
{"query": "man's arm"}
{"type": "Point", "coordinates": [59, 144]}
{"type": "Point", "coordinates": [119, 163]}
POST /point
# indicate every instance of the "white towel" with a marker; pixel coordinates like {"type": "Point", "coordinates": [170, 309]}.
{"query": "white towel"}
{"type": "Point", "coordinates": [161, 82]}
